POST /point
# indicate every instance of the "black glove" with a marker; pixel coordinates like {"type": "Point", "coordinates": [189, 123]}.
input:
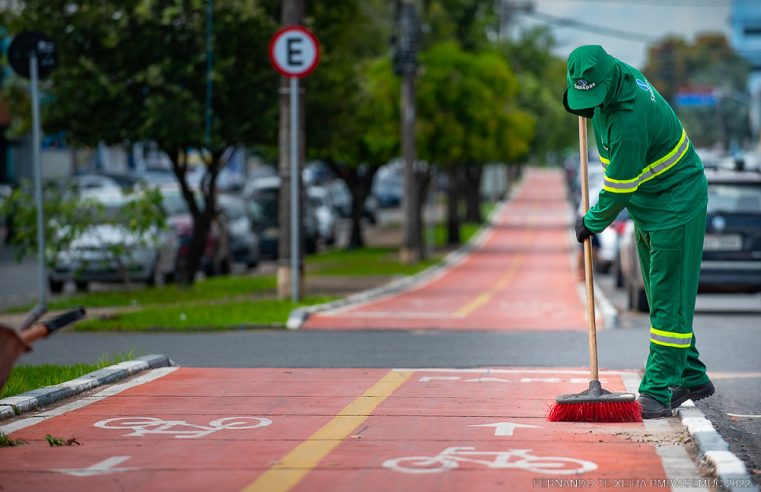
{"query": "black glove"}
{"type": "Point", "coordinates": [581, 230]}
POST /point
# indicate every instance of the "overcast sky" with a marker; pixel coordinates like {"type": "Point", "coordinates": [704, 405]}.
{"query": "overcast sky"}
{"type": "Point", "coordinates": [646, 18]}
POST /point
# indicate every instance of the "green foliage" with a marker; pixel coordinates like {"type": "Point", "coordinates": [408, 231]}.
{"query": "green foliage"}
{"type": "Point", "coordinates": [708, 61]}
{"type": "Point", "coordinates": [541, 81]}
{"type": "Point", "coordinates": [189, 317]}
{"type": "Point", "coordinates": [366, 261]}
{"type": "Point", "coordinates": [209, 290]}
{"type": "Point", "coordinates": [466, 22]}
{"type": "Point", "coordinates": [57, 441]}
{"type": "Point", "coordinates": [28, 378]}
{"type": "Point", "coordinates": [467, 108]}
{"type": "Point", "coordinates": [6, 442]}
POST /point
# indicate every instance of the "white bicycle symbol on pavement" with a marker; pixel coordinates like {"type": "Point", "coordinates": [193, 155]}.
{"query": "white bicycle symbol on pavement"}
{"type": "Point", "coordinates": [181, 429]}
{"type": "Point", "coordinates": [513, 458]}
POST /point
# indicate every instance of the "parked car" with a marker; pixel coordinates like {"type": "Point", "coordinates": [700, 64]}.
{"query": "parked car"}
{"type": "Point", "coordinates": [217, 257]}
{"type": "Point", "coordinates": [388, 185]}
{"type": "Point", "coordinates": [342, 200]}
{"type": "Point", "coordinates": [732, 246]}
{"type": "Point", "coordinates": [325, 212]}
{"type": "Point", "coordinates": [93, 257]}
{"type": "Point", "coordinates": [94, 182]}
{"type": "Point", "coordinates": [244, 242]}
{"type": "Point", "coordinates": [263, 198]}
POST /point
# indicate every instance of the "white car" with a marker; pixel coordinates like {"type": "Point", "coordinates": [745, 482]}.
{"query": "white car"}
{"type": "Point", "coordinates": [110, 252]}
{"type": "Point", "coordinates": [325, 211]}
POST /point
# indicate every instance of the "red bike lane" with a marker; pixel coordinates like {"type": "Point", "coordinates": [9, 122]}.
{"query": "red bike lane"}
{"type": "Point", "coordinates": [520, 277]}
{"type": "Point", "coordinates": [331, 429]}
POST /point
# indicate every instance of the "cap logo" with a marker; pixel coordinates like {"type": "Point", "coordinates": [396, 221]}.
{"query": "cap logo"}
{"type": "Point", "coordinates": [583, 85]}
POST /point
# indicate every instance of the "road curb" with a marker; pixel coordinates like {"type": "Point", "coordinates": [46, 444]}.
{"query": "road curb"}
{"type": "Point", "coordinates": [16, 405]}
{"type": "Point", "coordinates": [299, 316]}
{"type": "Point", "coordinates": [730, 471]}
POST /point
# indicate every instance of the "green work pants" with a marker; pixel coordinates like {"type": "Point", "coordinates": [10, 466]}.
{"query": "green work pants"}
{"type": "Point", "coordinates": [670, 263]}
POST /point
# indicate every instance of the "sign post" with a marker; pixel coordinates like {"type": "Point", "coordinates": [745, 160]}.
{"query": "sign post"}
{"type": "Point", "coordinates": [33, 55]}
{"type": "Point", "coordinates": [294, 52]}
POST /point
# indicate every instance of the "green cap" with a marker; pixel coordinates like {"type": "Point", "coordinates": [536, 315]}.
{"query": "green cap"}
{"type": "Point", "coordinates": [589, 71]}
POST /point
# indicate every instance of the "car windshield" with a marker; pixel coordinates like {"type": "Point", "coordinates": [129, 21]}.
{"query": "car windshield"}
{"type": "Point", "coordinates": [264, 205]}
{"type": "Point", "coordinates": [174, 204]}
{"type": "Point", "coordinates": [233, 208]}
{"type": "Point", "coordinates": [734, 198]}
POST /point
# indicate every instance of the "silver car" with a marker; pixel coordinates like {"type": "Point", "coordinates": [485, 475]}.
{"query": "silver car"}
{"type": "Point", "coordinates": [110, 252]}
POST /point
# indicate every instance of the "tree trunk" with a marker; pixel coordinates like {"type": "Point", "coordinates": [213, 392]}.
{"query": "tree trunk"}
{"type": "Point", "coordinates": [453, 206]}
{"type": "Point", "coordinates": [202, 218]}
{"type": "Point", "coordinates": [472, 194]}
{"type": "Point", "coordinates": [359, 181]}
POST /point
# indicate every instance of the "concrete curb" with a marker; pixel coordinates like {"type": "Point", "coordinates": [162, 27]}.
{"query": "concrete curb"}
{"type": "Point", "coordinates": [729, 469]}
{"type": "Point", "coordinates": [15, 405]}
{"type": "Point", "coordinates": [299, 316]}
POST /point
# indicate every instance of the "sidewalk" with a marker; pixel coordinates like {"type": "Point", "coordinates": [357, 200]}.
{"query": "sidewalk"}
{"type": "Point", "coordinates": [520, 277]}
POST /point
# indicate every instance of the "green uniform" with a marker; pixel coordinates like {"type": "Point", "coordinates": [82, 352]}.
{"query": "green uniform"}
{"type": "Point", "coordinates": [651, 168]}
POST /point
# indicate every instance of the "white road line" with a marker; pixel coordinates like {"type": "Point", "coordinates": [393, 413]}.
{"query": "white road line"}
{"type": "Point", "coordinates": [743, 416]}
{"type": "Point", "coordinates": [512, 371]}
{"type": "Point", "coordinates": [392, 314]}
{"type": "Point", "coordinates": [76, 405]}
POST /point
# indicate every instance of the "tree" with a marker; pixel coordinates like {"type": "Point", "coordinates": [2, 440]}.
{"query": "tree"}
{"type": "Point", "coordinates": [135, 70]}
{"type": "Point", "coordinates": [708, 62]}
{"type": "Point", "coordinates": [468, 115]}
{"type": "Point", "coordinates": [351, 98]}
{"type": "Point", "coordinates": [541, 79]}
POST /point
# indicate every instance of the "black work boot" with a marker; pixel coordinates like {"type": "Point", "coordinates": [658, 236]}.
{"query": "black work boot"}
{"type": "Point", "coordinates": [680, 394]}
{"type": "Point", "coordinates": [652, 408]}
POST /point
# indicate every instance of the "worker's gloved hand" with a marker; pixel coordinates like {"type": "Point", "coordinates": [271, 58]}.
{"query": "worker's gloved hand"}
{"type": "Point", "coordinates": [581, 230]}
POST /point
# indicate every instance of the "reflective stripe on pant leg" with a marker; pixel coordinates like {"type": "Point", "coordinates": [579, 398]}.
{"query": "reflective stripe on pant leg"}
{"type": "Point", "coordinates": [694, 373]}
{"type": "Point", "coordinates": [670, 336]}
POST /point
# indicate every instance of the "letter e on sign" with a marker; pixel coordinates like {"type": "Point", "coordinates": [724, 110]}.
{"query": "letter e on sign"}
{"type": "Point", "coordinates": [294, 51]}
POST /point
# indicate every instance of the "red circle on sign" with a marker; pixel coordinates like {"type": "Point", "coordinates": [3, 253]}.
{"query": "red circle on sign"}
{"type": "Point", "coordinates": [284, 70]}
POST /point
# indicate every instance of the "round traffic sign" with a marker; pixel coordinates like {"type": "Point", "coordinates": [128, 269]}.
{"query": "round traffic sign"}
{"type": "Point", "coordinates": [294, 51]}
{"type": "Point", "coordinates": [21, 49]}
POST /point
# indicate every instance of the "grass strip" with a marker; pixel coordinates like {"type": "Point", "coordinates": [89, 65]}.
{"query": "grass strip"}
{"type": "Point", "coordinates": [28, 378]}
{"type": "Point", "coordinates": [202, 290]}
{"type": "Point", "coordinates": [193, 317]}
{"type": "Point", "coordinates": [364, 262]}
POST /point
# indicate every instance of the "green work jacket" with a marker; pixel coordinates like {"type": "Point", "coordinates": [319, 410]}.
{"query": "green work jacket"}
{"type": "Point", "coordinates": [650, 166]}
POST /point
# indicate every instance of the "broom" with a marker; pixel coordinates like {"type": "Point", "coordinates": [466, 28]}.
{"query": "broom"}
{"type": "Point", "coordinates": [595, 404]}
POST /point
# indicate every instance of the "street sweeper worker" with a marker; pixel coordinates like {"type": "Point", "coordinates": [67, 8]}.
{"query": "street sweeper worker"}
{"type": "Point", "coordinates": [651, 168]}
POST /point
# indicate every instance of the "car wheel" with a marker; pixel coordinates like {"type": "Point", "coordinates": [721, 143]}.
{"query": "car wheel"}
{"type": "Point", "coordinates": [618, 273]}
{"type": "Point", "coordinates": [82, 285]}
{"type": "Point", "coordinates": [637, 299]}
{"type": "Point", "coordinates": [56, 286]}
{"type": "Point", "coordinates": [225, 267]}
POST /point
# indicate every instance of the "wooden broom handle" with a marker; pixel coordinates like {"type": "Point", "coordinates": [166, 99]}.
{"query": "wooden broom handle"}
{"type": "Point", "coordinates": [593, 371]}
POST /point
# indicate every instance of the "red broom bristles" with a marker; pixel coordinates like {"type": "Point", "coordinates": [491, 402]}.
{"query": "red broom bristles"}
{"type": "Point", "coordinates": [596, 412]}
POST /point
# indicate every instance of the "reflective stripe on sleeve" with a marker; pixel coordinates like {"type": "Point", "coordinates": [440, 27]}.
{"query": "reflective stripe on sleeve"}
{"type": "Point", "coordinates": [656, 168]}
{"type": "Point", "coordinates": [670, 338]}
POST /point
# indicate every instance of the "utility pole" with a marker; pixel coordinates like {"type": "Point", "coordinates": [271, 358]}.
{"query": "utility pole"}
{"type": "Point", "coordinates": [292, 13]}
{"type": "Point", "coordinates": [506, 9]}
{"type": "Point", "coordinates": [405, 48]}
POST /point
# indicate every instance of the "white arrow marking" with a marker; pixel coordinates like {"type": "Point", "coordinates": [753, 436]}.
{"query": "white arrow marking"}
{"type": "Point", "coordinates": [102, 468]}
{"type": "Point", "coordinates": [425, 379]}
{"type": "Point", "coordinates": [506, 428]}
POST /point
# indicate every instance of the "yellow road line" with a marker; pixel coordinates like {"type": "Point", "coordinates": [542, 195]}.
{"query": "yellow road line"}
{"type": "Point", "coordinates": [303, 458]}
{"type": "Point", "coordinates": [474, 304]}
{"type": "Point", "coordinates": [485, 297]}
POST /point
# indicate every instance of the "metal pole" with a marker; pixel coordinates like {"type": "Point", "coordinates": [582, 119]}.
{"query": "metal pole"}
{"type": "Point", "coordinates": [209, 67]}
{"type": "Point", "coordinates": [37, 164]}
{"type": "Point", "coordinates": [295, 179]}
